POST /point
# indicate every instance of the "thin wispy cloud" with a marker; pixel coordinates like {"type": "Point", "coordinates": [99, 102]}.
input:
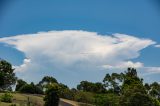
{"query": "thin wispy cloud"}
{"type": "Point", "coordinates": [158, 46]}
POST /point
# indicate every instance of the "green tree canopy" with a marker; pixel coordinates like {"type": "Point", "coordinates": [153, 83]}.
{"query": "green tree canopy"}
{"type": "Point", "coordinates": [30, 88]}
{"type": "Point", "coordinates": [7, 75]}
{"type": "Point", "coordinates": [19, 84]}
{"type": "Point", "coordinates": [52, 95]}
{"type": "Point", "coordinates": [112, 82]}
{"type": "Point", "coordinates": [91, 87]}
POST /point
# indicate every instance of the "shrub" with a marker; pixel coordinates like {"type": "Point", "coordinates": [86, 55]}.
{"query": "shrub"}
{"type": "Point", "coordinates": [85, 97]}
{"type": "Point", "coordinates": [106, 100]}
{"type": "Point", "coordinates": [7, 97]}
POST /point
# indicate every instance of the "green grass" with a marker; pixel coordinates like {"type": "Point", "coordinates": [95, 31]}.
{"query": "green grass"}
{"type": "Point", "coordinates": [24, 99]}
{"type": "Point", "coordinates": [35, 100]}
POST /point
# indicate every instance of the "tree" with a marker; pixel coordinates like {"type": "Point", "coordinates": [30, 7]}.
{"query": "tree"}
{"type": "Point", "coordinates": [155, 90]}
{"type": "Point", "coordinates": [45, 81]}
{"type": "Point", "coordinates": [112, 81]}
{"type": "Point", "coordinates": [109, 99]}
{"type": "Point", "coordinates": [91, 87]}
{"type": "Point", "coordinates": [52, 95]}
{"type": "Point", "coordinates": [20, 83]}
{"type": "Point", "coordinates": [99, 88]}
{"type": "Point", "coordinates": [7, 75]}
{"type": "Point", "coordinates": [65, 92]}
{"type": "Point", "coordinates": [147, 87]}
{"type": "Point", "coordinates": [27, 88]}
{"type": "Point", "coordinates": [131, 80]}
{"type": "Point", "coordinates": [85, 97]}
{"type": "Point", "coordinates": [136, 99]}
{"type": "Point", "coordinates": [30, 88]}
{"type": "Point", "coordinates": [133, 91]}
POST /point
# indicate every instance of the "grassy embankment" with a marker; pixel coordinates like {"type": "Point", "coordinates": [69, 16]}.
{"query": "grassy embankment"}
{"type": "Point", "coordinates": [24, 99]}
{"type": "Point", "coordinates": [34, 100]}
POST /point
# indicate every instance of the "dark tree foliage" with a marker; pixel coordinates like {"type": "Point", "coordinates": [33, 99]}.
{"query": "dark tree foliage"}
{"type": "Point", "coordinates": [91, 87]}
{"type": "Point", "coordinates": [20, 83]}
{"type": "Point", "coordinates": [30, 88]}
{"type": "Point", "coordinates": [7, 75]}
{"type": "Point", "coordinates": [154, 90]}
{"type": "Point", "coordinates": [131, 91]}
{"type": "Point", "coordinates": [85, 97]}
{"type": "Point", "coordinates": [136, 99]}
{"type": "Point", "coordinates": [27, 88]}
{"type": "Point", "coordinates": [52, 95]}
{"type": "Point", "coordinates": [132, 80]}
{"type": "Point", "coordinates": [112, 81]}
{"type": "Point", "coordinates": [109, 99]}
{"type": "Point", "coordinates": [47, 80]}
{"type": "Point", "coordinates": [65, 92]}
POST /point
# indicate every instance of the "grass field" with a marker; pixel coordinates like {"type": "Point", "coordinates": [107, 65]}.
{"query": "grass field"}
{"type": "Point", "coordinates": [24, 99]}
{"type": "Point", "coordinates": [34, 100]}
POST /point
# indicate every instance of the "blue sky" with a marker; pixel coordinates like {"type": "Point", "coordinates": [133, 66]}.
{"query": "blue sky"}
{"type": "Point", "coordinates": [138, 18]}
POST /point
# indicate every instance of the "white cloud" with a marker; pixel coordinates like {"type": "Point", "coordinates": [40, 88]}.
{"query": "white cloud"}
{"type": "Point", "coordinates": [23, 66]}
{"type": "Point", "coordinates": [76, 51]}
{"type": "Point", "coordinates": [123, 65]}
{"type": "Point", "coordinates": [158, 46]}
{"type": "Point", "coordinates": [153, 69]}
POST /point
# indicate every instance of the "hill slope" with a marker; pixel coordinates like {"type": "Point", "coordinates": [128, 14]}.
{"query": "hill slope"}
{"type": "Point", "coordinates": [36, 100]}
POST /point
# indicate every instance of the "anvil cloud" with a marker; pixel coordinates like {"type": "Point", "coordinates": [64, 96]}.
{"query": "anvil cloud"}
{"type": "Point", "coordinates": [76, 51]}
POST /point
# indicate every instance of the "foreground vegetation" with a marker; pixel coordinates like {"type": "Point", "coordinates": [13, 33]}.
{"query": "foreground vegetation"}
{"type": "Point", "coordinates": [116, 89]}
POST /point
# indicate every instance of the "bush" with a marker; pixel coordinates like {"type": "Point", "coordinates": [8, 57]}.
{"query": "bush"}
{"type": "Point", "coordinates": [136, 99]}
{"type": "Point", "coordinates": [85, 97]}
{"type": "Point", "coordinates": [106, 100]}
{"type": "Point", "coordinates": [7, 97]}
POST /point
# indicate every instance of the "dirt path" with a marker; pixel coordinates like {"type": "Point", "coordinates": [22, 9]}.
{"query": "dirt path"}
{"type": "Point", "coordinates": [64, 102]}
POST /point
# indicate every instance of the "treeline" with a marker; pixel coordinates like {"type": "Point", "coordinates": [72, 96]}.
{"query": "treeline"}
{"type": "Point", "coordinates": [116, 89]}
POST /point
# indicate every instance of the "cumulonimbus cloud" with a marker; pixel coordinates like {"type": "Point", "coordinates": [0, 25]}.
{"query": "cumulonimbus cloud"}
{"type": "Point", "coordinates": [72, 50]}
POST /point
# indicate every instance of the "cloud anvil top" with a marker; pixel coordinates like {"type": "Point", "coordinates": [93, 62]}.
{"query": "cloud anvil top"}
{"type": "Point", "coordinates": [78, 51]}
